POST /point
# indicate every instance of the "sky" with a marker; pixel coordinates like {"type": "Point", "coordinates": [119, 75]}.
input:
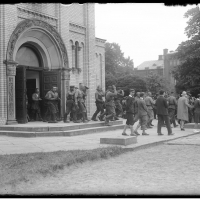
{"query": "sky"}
{"type": "Point", "coordinates": [142, 30]}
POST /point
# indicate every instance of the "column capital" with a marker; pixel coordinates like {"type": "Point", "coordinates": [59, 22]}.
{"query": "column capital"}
{"type": "Point", "coordinates": [11, 67]}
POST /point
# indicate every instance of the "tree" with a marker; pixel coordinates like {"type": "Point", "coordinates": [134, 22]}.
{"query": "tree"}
{"type": "Point", "coordinates": [110, 80]}
{"type": "Point", "coordinates": [155, 82]}
{"type": "Point", "coordinates": [115, 62]}
{"type": "Point", "coordinates": [187, 73]}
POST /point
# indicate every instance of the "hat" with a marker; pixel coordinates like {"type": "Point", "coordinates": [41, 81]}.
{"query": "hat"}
{"type": "Point", "coordinates": [72, 86]}
{"type": "Point", "coordinates": [183, 93]}
{"type": "Point", "coordinates": [132, 90]}
{"type": "Point", "coordinates": [86, 87]}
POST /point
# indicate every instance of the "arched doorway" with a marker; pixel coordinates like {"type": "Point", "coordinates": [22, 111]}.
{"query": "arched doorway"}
{"type": "Point", "coordinates": [42, 63]}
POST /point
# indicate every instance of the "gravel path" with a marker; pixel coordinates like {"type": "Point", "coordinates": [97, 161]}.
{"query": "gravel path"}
{"type": "Point", "coordinates": [164, 169]}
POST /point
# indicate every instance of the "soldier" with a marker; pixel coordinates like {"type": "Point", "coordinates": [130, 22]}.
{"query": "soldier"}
{"type": "Point", "coordinates": [110, 104]}
{"type": "Point", "coordinates": [36, 105]}
{"type": "Point", "coordinates": [80, 102]}
{"type": "Point", "coordinates": [85, 88]}
{"type": "Point", "coordinates": [99, 94]}
{"type": "Point", "coordinates": [172, 105]}
{"type": "Point", "coordinates": [149, 103]}
{"type": "Point", "coordinates": [70, 96]}
{"type": "Point", "coordinates": [52, 104]}
{"type": "Point", "coordinates": [118, 105]}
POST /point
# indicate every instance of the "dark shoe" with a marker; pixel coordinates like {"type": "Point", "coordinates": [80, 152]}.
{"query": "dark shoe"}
{"type": "Point", "coordinates": [133, 134]}
{"type": "Point", "coordinates": [151, 125]}
{"type": "Point", "coordinates": [125, 134]}
{"type": "Point", "coordinates": [171, 133]}
{"type": "Point", "coordinates": [53, 122]}
{"type": "Point", "coordinates": [182, 129]}
{"type": "Point", "coordinates": [77, 121]}
{"type": "Point", "coordinates": [116, 118]}
{"type": "Point", "coordinates": [175, 126]}
{"type": "Point", "coordinates": [160, 134]}
{"type": "Point", "coordinates": [66, 121]}
{"type": "Point", "coordinates": [145, 133]}
{"type": "Point", "coordinates": [94, 120]}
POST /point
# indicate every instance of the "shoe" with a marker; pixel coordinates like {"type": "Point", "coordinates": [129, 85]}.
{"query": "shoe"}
{"type": "Point", "coordinates": [94, 120]}
{"type": "Point", "coordinates": [175, 126]}
{"type": "Point", "coordinates": [151, 125]}
{"type": "Point", "coordinates": [133, 134]}
{"type": "Point", "coordinates": [66, 121]}
{"type": "Point", "coordinates": [145, 133]}
{"type": "Point", "coordinates": [182, 129]}
{"type": "Point", "coordinates": [116, 118]}
{"type": "Point", "coordinates": [160, 134]}
{"type": "Point", "coordinates": [53, 122]}
{"type": "Point", "coordinates": [171, 133]}
{"type": "Point", "coordinates": [136, 133]}
{"type": "Point", "coordinates": [125, 134]}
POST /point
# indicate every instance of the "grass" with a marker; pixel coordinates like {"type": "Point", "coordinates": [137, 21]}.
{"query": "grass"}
{"type": "Point", "coordinates": [27, 167]}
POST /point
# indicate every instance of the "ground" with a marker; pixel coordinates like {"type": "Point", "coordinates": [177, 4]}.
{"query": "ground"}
{"type": "Point", "coordinates": [169, 168]}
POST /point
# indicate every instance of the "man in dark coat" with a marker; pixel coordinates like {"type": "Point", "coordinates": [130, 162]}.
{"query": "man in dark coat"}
{"type": "Point", "coordinates": [162, 112]}
{"type": "Point", "coordinates": [130, 111]}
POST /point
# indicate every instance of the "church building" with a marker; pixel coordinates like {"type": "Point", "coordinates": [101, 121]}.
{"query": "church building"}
{"type": "Point", "coordinates": [45, 45]}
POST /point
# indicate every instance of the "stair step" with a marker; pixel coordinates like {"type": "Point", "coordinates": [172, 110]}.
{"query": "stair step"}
{"type": "Point", "coordinates": [68, 133]}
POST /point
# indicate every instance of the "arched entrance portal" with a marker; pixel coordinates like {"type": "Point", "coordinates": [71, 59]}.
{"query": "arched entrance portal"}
{"type": "Point", "coordinates": [42, 63]}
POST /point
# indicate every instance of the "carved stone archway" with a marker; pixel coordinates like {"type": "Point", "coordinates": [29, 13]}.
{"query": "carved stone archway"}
{"type": "Point", "coordinates": [21, 28]}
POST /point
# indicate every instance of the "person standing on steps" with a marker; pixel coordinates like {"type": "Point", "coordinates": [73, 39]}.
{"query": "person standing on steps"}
{"type": "Point", "coordinates": [80, 103]}
{"type": "Point", "coordinates": [52, 98]}
{"type": "Point", "coordinates": [99, 94]}
{"type": "Point", "coordinates": [130, 111]}
{"type": "Point", "coordinates": [36, 105]}
{"type": "Point", "coordinates": [149, 103]}
{"type": "Point", "coordinates": [182, 111]}
{"type": "Point", "coordinates": [172, 109]}
{"type": "Point", "coordinates": [162, 113]}
{"type": "Point", "coordinates": [118, 105]}
{"type": "Point", "coordinates": [141, 114]}
{"type": "Point", "coordinates": [110, 104]}
{"type": "Point", "coordinates": [70, 96]}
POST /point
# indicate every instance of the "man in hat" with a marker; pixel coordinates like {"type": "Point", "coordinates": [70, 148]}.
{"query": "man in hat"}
{"type": "Point", "coordinates": [110, 104]}
{"type": "Point", "coordinates": [70, 96]}
{"type": "Point", "coordinates": [52, 104]}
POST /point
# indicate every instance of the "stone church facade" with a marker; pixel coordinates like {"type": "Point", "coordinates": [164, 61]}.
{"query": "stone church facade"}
{"type": "Point", "coordinates": [45, 45]}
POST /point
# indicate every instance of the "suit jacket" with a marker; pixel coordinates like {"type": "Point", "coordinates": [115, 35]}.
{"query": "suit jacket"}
{"type": "Point", "coordinates": [162, 106]}
{"type": "Point", "coordinates": [130, 104]}
{"type": "Point", "coordinates": [142, 108]}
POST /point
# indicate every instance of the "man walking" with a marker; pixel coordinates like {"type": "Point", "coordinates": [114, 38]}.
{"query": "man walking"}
{"type": "Point", "coordinates": [172, 109]}
{"type": "Point", "coordinates": [110, 104]}
{"type": "Point", "coordinates": [130, 111]}
{"type": "Point", "coordinates": [141, 114]}
{"type": "Point", "coordinates": [162, 112]}
{"type": "Point", "coordinates": [149, 103]}
{"type": "Point", "coordinates": [118, 105]}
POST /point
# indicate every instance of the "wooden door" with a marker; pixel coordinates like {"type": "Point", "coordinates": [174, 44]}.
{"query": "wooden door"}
{"type": "Point", "coordinates": [50, 79]}
{"type": "Point", "coordinates": [20, 92]}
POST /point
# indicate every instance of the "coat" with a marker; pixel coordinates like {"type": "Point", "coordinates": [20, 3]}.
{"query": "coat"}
{"type": "Point", "coordinates": [142, 108]}
{"type": "Point", "coordinates": [162, 106]}
{"type": "Point", "coordinates": [182, 112]}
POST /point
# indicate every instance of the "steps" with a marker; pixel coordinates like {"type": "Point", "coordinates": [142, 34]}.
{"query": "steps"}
{"type": "Point", "coordinates": [41, 129]}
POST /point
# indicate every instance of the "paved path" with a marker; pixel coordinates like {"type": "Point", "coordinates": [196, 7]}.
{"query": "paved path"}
{"type": "Point", "coordinates": [160, 170]}
{"type": "Point", "coordinates": [19, 145]}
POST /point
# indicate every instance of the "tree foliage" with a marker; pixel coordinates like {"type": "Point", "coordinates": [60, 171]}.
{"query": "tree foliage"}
{"type": "Point", "coordinates": [188, 72]}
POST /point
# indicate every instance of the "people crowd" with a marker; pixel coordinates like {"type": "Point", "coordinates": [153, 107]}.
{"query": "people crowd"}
{"type": "Point", "coordinates": [141, 107]}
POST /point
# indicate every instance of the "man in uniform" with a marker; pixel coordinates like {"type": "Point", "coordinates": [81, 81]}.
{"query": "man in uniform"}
{"type": "Point", "coordinates": [70, 96]}
{"type": "Point", "coordinates": [80, 102]}
{"type": "Point", "coordinates": [172, 105]}
{"type": "Point", "coordinates": [118, 105]}
{"type": "Point", "coordinates": [149, 103]}
{"type": "Point", "coordinates": [52, 104]}
{"type": "Point", "coordinates": [36, 106]}
{"type": "Point", "coordinates": [110, 104]}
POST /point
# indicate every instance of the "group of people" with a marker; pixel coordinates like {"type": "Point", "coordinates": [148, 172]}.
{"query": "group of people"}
{"type": "Point", "coordinates": [111, 104]}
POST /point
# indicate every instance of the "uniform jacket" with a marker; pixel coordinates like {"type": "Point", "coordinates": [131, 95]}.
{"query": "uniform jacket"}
{"type": "Point", "coordinates": [130, 104]}
{"type": "Point", "coordinates": [142, 108]}
{"type": "Point", "coordinates": [149, 102]}
{"type": "Point", "coordinates": [172, 102]}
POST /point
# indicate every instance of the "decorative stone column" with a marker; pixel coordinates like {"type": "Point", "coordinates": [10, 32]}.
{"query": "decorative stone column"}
{"type": "Point", "coordinates": [65, 85]}
{"type": "Point", "coordinates": [73, 56]}
{"type": "Point", "coordinates": [11, 73]}
{"type": "Point", "coordinates": [78, 57]}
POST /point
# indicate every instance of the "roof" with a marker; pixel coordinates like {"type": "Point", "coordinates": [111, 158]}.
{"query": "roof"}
{"type": "Point", "coordinates": [152, 64]}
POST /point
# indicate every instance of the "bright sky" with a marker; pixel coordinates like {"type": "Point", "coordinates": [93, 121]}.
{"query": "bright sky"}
{"type": "Point", "coordinates": [142, 30]}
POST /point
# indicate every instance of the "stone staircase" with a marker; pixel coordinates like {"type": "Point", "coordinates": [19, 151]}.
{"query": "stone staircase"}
{"type": "Point", "coordinates": [41, 129]}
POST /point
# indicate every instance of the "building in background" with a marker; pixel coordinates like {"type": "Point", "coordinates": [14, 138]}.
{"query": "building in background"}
{"type": "Point", "coordinates": [163, 67]}
{"type": "Point", "coordinates": [45, 45]}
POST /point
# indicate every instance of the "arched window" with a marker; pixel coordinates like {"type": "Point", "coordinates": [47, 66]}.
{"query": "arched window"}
{"type": "Point", "coordinates": [76, 54]}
